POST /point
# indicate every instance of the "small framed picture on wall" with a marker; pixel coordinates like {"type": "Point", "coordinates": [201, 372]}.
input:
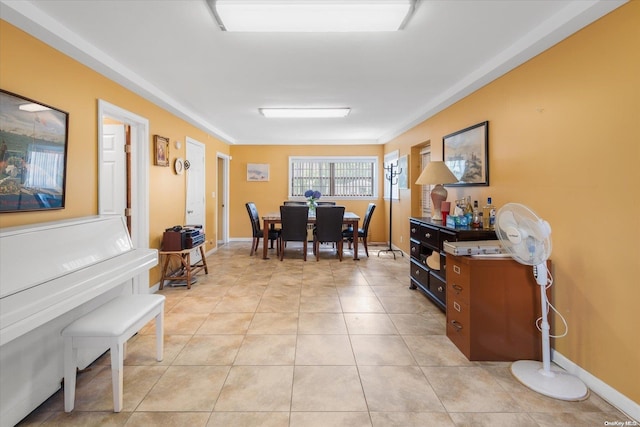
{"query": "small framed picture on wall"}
{"type": "Point", "coordinates": [161, 149]}
{"type": "Point", "coordinates": [257, 172]}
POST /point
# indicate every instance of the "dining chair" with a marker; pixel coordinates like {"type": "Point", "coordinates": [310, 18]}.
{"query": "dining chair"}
{"type": "Point", "coordinates": [294, 227]}
{"type": "Point", "coordinates": [325, 203]}
{"type": "Point", "coordinates": [257, 230]}
{"type": "Point", "coordinates": [294, 203]}
{"type": "Point", "coordinates": [328, 228]}
{"type": "Point", "coordinates": [363, 232]}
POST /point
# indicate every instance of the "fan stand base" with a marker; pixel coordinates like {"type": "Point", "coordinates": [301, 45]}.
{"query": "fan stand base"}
{"type": "Point", "coordinates": [552, 383]}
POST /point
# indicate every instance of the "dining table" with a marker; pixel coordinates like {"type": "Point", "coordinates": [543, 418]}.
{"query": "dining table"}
{"type": "Point", "coordinates": [272, 218]}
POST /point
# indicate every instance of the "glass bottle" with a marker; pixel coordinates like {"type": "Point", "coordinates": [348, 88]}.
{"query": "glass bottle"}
{"type": "Point", "coordinates": [489, 216]}
{"type": "Point", "coordinates": [476, 222]}
{"type": "Point", "coordinates": [468, 210]}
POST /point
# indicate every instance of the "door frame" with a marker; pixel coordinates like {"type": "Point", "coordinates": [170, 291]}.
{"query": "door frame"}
{"type": "Point", "coordinates": [224, 215]}
{"type": "Point", "coordinates": [140, 158]}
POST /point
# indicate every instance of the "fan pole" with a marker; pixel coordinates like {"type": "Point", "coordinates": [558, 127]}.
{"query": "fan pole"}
{"type": "Point", "coordinates": [541, 279]}
{"type": "Point", "coordinates": [540, 377]}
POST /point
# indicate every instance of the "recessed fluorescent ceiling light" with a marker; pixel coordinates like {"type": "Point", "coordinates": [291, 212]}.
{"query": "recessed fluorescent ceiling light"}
{"type": "Point", "coordinates": [304, 112]}
{"type": "Point", "coordinates": [311, 15]}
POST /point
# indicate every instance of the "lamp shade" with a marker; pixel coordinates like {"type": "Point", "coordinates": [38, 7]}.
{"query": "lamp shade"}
{"type": "Point", "coordinates": [436, 172]}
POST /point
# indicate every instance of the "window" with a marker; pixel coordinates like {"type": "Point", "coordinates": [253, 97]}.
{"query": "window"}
{"type": "Point", "coordinates": [44, 168]}
{"type": "Point", "coordinates": [334, 177]}
{"type": "Point", "coordinates": [425, 193]}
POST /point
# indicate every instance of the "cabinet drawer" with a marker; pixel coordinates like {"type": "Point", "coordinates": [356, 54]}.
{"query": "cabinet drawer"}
{"type": "Point", "coordinates": [458, 278]}
{"type": "Point", "coordinates": [438, 287]}
{"type": "Point", "coordinates": [430, 237]}
{"type": "Point", "coordinates": [458, 290]}
{"type": "Point", "coordinates": [458, 322]}
{"type": "Point", "coordinates": [425, 234]}
{"type": "Point", "coordinates": [415, 229]}
{"type": "Point", "coordinates": [416, 250]}
{"type": "Point", "coordinates": [420, 273]}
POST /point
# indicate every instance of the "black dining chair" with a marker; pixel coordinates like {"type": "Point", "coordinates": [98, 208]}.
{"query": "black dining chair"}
{"type": "Point", "coordinates": [294, 227]}
{"type": "Point", "coordinates": [294, 203]}
{"type": "Point", "coordinates": [328, 228]}
{"type": "Point", "coordinates": [257, 230]}
{"type": "Point", "coordinates": [363, 232]}
{"type": "Point", "coordinates": [325, 203]}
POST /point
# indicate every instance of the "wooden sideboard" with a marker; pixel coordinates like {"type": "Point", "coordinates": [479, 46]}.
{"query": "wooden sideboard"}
{"type": "Point", "coordinates": [492, 307]}
{"type": "Point", "coordinates": [427, 238]}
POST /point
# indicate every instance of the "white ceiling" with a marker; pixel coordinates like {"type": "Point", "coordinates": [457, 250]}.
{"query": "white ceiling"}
{"type": "Point", "coordinates": [173, 53]}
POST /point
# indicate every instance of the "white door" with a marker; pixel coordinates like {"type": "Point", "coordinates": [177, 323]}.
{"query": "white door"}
{"type": "Point", "coordinates": [195, 209]}
{"type": "Point", "coordinates": [113, 173]}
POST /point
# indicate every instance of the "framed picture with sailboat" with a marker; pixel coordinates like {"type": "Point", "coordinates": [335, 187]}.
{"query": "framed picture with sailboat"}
{"type": "Point", "coordinates": [466, 153]}
{"type": "Point", "coordinates": [33, 154]}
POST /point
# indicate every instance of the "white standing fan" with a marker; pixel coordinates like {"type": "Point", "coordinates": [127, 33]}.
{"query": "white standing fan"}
{"type": "Point", "coordinates": [526, 237]}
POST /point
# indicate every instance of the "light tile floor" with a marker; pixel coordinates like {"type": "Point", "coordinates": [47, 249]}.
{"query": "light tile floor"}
{"type": "Point", "coordinates": [302, 344]}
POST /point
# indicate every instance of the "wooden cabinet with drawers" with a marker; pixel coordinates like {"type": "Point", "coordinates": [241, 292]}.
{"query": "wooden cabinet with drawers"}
{"type": "Point", "coordinates": [492, 308]}
{"type": "Point", "coordinates": [426, 239]}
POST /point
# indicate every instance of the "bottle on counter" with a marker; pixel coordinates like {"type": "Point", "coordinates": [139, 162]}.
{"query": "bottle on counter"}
{"type": "Point", "coordinates": [468, 210]}
{"type": "Point", "coordinates": [476, 221]}
{"type": "Point", "coordinates": [489, 215]}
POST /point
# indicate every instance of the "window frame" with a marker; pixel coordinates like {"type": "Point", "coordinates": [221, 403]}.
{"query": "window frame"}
{"type": "Point", "coordinates": [376, 171]}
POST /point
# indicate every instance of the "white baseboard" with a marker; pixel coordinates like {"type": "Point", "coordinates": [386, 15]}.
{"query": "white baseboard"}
{"type": "Point", "coordinates": [608, 393]}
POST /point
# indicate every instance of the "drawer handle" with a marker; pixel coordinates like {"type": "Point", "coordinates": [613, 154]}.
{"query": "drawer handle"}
{"type": "Point", "coordinates": [413, 230]}
{"type": "Point", "coordinates": [456, 325]}
{"type": "Point", "coordinates": [456, 269]}
{"type": "Point", "coordinates": [456, 306]}
{"type": "Point", "coordinates": [427, 235]}
{"type": "Point", "coordinates": [440, 289]}
{"type": "Point", "coordinates": [413, 249]}
{"type": "Point", "coordinates": [457, 288]}
{"type": "Point", "coordinates": [417, 272]}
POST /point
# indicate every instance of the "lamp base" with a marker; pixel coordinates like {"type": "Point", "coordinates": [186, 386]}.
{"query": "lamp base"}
{"type": "Point", "coordinates": [438, 195]}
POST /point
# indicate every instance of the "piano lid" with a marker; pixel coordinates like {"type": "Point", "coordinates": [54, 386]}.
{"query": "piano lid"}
{"type": "Point", "coordinates": [35, 254]}
{"type": "Point", "coordinates": [48, 269]}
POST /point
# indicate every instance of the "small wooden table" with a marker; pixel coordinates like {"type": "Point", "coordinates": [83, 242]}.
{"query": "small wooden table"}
{"type": "Point", "coordinates": [349, 219]}
{"type": "Point", "coordinates": [186, 270]}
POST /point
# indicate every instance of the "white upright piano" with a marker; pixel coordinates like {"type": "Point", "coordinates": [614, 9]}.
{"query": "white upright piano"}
{"type": "Point", "coordinates": [51, 274]}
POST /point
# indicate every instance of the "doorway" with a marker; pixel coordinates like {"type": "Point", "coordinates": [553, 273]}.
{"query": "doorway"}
{"type": "Point", "coordinates": [222, 203]}
{"type": "Point", "coordinates": [112, 193]}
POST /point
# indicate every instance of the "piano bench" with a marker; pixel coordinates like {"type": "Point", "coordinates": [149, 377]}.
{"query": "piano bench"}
{"type": "Point", "coordinates": [110, 324]}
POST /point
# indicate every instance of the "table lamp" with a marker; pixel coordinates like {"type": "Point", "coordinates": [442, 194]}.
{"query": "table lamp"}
{"type": "Point", "coordinates": [437, 173]}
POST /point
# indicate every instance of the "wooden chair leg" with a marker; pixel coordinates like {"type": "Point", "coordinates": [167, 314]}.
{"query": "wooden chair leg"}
{"type": "Point", "coordinates": [253, 247]}
{"type": "Point", "coordinates": [304, 250]}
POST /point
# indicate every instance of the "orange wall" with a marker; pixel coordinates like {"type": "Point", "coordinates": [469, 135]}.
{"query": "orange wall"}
{"type": "Point", "coordinates": [32, 69]}
{"type": "Point", "coordinates": [268, 196]}
{"type": "Point", "coordinates": [563, 140]}
{"type": "Point", "coordinates": [563, 136]}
